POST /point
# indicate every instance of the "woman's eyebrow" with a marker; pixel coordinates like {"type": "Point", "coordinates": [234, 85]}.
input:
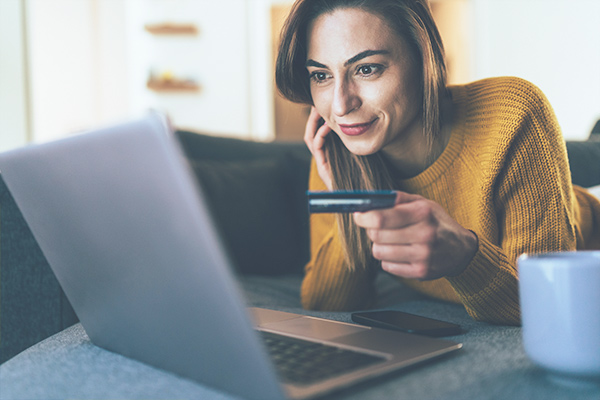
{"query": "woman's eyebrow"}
{"type": "Point", "coordinates": [364, 54]}
{"type": "Point", "coordinates": [352, 60]}
{"type": "Point", "coordinates": [313, 63]}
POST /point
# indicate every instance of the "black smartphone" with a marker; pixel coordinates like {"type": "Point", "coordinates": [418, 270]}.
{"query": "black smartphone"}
{"type": "Point", "coordinates": [406, 322]}
{"type": "Point", "coordinates": [349, 201]}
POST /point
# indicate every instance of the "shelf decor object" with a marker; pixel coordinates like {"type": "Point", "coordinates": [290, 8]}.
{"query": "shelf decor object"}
{"type": "Point", "coordinates": [172, 85]}
{"type": "Point", "coordinates": [169, 82]}
{"type": "Point", "coordinates": [169, 28]}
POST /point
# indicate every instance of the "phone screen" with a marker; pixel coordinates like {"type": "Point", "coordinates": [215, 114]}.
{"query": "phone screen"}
{"type": "Point", "coordinates": [406, 322]}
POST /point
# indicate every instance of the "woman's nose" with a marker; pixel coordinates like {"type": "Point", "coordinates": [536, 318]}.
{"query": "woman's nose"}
{"type": "Point", "coordinates": [345, 99]}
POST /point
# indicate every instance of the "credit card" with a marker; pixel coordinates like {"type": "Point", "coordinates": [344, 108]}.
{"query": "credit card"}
{"type": "Point", "coordinates": [350, 201]}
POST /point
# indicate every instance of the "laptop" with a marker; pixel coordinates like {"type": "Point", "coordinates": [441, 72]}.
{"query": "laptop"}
{"type": "Point", "coordinates": [128, 233]}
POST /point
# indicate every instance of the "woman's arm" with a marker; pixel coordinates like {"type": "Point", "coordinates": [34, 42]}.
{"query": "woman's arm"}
{"type": "Point", "coordinates": [534, 206]}
{"type": "Point", "coordinates": [531, 209]}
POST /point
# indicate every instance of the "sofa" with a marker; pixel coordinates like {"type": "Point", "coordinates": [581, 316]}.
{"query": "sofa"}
{"type": "Point", "coordinates": [46, 354]}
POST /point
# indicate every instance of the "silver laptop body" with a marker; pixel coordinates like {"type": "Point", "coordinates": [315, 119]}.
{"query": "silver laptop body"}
{"type": "Point", "coordinates": [125, 227]}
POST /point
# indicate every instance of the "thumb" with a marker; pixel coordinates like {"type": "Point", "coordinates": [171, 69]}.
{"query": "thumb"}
{"type": "Point", "coordinates": [404, 197]}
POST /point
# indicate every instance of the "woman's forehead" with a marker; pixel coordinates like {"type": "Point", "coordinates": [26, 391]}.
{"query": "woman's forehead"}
{"type": "Point", "coordinates": [339, 35]}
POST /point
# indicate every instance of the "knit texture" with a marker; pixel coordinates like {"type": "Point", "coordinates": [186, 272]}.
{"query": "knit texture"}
{"type": "Point", "coordinates": [504, 175]}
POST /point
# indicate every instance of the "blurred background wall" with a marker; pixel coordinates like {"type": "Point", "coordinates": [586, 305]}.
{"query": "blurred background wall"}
{"type": "Point", "coordinates": [69, 65]}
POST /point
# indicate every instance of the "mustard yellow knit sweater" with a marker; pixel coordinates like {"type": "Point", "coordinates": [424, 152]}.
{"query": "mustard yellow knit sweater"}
{"type": "Point", "coordinates": [504, 175]}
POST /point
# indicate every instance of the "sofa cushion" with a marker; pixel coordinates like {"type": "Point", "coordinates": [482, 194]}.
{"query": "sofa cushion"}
{"type": "Point", "coordinates": [254, 206]}
{"type": "Point", "coordinates": [32, 304]}
{"type": "Point", "coordinates": [584, 161]}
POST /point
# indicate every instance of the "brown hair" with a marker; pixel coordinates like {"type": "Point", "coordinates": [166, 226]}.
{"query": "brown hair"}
{"type": "Point", "coordinates": [412, 20]}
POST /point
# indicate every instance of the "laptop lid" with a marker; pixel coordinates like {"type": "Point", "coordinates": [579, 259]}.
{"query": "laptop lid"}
{"type": "Point", "coordinates": [123, 255]}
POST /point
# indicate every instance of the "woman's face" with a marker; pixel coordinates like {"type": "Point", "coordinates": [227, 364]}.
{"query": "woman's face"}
{"type": "Point", "coordinates": [363, 81]}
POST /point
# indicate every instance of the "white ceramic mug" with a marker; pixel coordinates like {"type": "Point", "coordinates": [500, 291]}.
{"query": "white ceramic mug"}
{"type": "Point", "coordinates": [560, 311]}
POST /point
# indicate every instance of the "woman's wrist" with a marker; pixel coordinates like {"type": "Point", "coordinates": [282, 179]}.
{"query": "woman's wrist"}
{"type": "Point", "coordinates": [471, 246]}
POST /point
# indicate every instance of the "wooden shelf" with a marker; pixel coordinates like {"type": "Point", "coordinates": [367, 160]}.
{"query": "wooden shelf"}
{"type": "Point", "coordinates": [172, 86]}
{"type": "Point", "coordinates": [172, 29]}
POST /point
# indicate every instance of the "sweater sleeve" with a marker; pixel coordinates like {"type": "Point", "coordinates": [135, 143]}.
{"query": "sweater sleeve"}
{"type": "Point", "coordinates": [329, 284]}
{"type": "Point", "coordinates": [535, 210]}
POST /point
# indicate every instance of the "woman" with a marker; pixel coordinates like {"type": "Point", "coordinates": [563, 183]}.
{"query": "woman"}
{"type": "Point", "coordinates": [480, 170]}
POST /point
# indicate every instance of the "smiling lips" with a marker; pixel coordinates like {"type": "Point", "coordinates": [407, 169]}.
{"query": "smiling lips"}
{"type": "Point", "coordinates": [356, 129]}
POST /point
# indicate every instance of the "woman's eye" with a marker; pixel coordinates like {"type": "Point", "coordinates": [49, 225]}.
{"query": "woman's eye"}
{"type": "Point", "coordinates": [318, 77]}
{"type": "Point", "coordinates": [368, 70]}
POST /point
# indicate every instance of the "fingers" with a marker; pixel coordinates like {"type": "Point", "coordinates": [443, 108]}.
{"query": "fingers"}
{"type": "Point", "coordinates": [313, 128]}
{"type": "Point", "coordinates": [318, 145]}
{"type": "Point", "coordinates": [416, 233]}
{"type": "Point", "coordinates": [409, 210]}
{"type": "Point", "coordinates": [406, 270]}
{"type": "Point", "coordinates": [402, 236]}
{"type": "Point", "coordinates": [400, 253]}
{"type": "Point", "coordinates": [418, 239]}
{"type": "Point", "coordinates": [407, 261]}
{"type": "Point", "coordinates": [315, 137]}
{"type": "Point", "coordinates": [412, 261]}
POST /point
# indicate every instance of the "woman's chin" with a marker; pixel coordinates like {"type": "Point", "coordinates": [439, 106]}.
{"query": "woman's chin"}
{"type": "Point", "coordinates": [361, 149]}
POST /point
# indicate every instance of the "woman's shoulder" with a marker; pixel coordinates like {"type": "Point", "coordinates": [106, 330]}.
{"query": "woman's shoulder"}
{"type": "Point", "coordinates": [497, 111]}
{"type": "Point", "coordinates": [504, 91]}
{"type": "Point", "coordinates": [505, 100]}
{"type": "Point", "coordinates": [502, 82]}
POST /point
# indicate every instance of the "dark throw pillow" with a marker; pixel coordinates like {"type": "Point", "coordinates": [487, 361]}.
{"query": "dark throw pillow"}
{"type": "Point", "coordinates": [254, 212]}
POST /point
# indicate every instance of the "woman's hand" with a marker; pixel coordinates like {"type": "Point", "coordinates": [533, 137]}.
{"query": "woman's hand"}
{"type": "Point", "coordinates": [418, 239]}
{"type": "Point", "coordinates": [314, 137]}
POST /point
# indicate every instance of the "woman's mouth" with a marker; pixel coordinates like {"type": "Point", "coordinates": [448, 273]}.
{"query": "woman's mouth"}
{"type": "Point", "coordinates": [356, 129]}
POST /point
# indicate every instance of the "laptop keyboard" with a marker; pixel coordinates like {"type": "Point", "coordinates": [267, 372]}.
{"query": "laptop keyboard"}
{"type": "Point", "coordinates": [304, 362]}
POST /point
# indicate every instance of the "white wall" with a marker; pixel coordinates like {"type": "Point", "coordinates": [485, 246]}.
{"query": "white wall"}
{"type": "Point", "coordinates": [77, 65]}
{"type": "Point", "coordinates": [553, 43]}
{"type": "Point", "coordinates": [62, 66]}
{"type": "Point", "coordinates": [14, 129]}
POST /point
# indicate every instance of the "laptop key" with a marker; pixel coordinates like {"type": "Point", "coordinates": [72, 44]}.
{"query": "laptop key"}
{"type": "Point", "coordinates": [304, 362]}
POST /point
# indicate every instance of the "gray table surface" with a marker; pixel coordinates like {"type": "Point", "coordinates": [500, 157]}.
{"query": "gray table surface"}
{"type": "Point", "coordinates": [491, 364]}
